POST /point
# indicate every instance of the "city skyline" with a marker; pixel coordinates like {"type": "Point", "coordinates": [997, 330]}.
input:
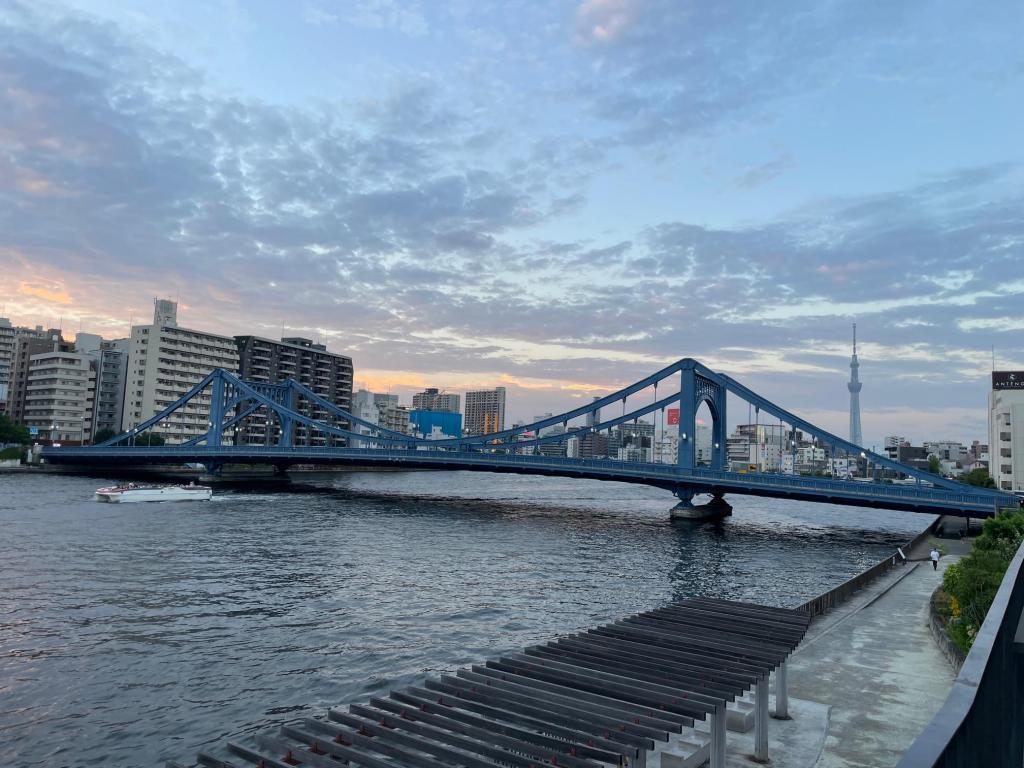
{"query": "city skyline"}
{"type": "Point", "coordinates": [546, 203]}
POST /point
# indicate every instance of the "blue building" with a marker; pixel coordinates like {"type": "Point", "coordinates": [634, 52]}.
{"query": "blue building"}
{"type": "Point", "coordinates": [422, 423]}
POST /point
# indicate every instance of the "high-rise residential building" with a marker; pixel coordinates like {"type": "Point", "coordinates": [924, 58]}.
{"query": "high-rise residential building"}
{"type": "Point", "coordinates": [380, 409]}
{"type": "Point", "coordinates": [594, 417]}
{"type": "Point", "coordinates": [111, 365]}
{"type": "Point", "coordinates": [7, 333]}
{"type": "Point", "coordinates": [485, 411]}
{"type": "Point", "coordinates": [327, 374]}
{"type": "Point", "coordinates": [166, 361]}
{"type": "Point", "coordinates": [1006, 430]}
{"type": "Point", "coordinates": [28, 343]}
{"type": "Point", "coordinates": [391, 415]}
{"type": "Point", "coordinates": [382, 400]}
{"type": "Point", "coordinates": [854, 385]}
{"type": "Point", "coordinates": [59, 396]}
{"type": "Point", "coordinates": [431, 399]}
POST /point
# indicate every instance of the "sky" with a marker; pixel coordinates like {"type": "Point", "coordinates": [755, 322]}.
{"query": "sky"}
{"type": "Point", "coordinates": [557, 196]}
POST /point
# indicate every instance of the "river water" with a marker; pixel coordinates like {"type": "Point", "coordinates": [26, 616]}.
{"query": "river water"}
{"type": "Point", "coordinates": [133, 634]}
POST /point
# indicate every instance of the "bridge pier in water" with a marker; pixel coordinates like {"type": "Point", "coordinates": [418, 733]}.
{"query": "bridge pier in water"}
{"type": "Point", "coordinates": [715, 509]}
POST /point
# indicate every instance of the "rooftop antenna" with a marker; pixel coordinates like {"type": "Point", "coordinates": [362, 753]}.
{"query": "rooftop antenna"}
{"type": "Point", "coordinates": [855, 338]}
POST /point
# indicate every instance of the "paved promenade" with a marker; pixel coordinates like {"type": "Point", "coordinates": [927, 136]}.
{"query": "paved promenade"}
{"type": "Point", "coordinates": [875, 665]}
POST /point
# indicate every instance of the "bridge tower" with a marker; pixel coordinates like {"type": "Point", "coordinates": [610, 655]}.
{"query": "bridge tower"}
{"type": "Point", "coordinates": [694, 390]}
{"type": "Point", "coordinates": [854, 386]}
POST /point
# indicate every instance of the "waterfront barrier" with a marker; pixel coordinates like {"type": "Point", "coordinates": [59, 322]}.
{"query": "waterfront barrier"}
{"type": "Point", "coordinates": [840, 594]}
{"type": "Point", "coordinates": [982, 721]}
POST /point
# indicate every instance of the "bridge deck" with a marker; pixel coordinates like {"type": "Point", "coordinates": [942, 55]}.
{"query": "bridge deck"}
{"type": "Point", "coordinates": [970, 501]}
{"type": "Point", "coordinates": [605, 696]}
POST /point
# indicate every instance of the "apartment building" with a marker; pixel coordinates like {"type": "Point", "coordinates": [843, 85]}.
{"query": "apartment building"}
{"type": "Point", "coordinates": [28, 343]}
{"type": "Point", "coordinates": [485, 411]}
{"type": "Point", "coordinates": [165, 361]}
{"type": "Point", "coordinates": [432, 399]}
{"type": "Point", "coordinates": [59, 396]}
{"type": "Point", "coordinates": [327, 374]}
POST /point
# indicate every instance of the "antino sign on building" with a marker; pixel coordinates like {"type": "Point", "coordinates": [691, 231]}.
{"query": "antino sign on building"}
{"type": "Point", "coordinates": [1007, 380]}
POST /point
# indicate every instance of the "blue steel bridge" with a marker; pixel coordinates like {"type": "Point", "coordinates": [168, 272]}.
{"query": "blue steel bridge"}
{"type": "Point", "coordinates": [242, 408]}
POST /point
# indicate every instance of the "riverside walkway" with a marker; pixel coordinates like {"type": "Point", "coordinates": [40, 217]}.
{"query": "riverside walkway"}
{"type": "Point", "coordinates": [874, 663]}
{"type": "Point", "coordinates": [866, 679]}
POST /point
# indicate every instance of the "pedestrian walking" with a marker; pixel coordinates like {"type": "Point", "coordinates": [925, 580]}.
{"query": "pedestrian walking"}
{"type": "Point", "coordinates": [935, 558]}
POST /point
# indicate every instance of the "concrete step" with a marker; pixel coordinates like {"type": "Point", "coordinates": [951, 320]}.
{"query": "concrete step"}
{"type": "Point", "coordinates": [739, 716]}
{"type": "Point", "coordinates": [688, 751]}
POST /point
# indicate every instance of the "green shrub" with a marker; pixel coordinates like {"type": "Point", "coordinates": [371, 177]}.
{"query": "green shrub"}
{"type": "Point", "coordinates": [103, 435]}
{"type": "Point", "coordinates": [978, 476]}
{"type": "Point", "coordinates": [11, 432]}
{"type": "Point", "coordinates": [972, 582]}
{"type": "Point", "coordinates": [12, 453]}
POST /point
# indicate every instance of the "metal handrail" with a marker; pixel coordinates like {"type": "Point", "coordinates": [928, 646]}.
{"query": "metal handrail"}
{"type": "Point", "coordinates": [982, 719]}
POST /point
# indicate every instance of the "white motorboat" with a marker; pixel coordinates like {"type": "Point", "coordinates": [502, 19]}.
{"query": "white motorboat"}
{"type": "Point", "coordinates": [133, 492]}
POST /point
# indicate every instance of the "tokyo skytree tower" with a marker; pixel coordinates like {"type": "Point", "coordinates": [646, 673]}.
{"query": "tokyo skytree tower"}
{"type": "Point", "coordinates": [854, 386]}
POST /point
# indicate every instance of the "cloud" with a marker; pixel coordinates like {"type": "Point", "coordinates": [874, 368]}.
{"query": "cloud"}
{"type": "Point", "coordinates": [317, 16]}
{"type": "Point", "coordinates": [418, 232]}
{"type": "Point", "coordinates": [405, 18]}
{"type": "Point", "coordinates": [669, 69]}
{"type": "Point", "coordinates": [998, 324]}
{"type": "Point", "coordinates": [51, 293]}
{"type": "Point", "coordinates": [758, 175]}
{"type": "Point", "coordinates": [602, 21]}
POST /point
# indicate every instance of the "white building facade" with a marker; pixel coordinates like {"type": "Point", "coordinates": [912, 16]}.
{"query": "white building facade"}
{"type": "Point", "coordinates": [166, 361]}
{"type": "Point", "coordinates": [59, 396]}
{"type": "Point", "coordinates": [1006, 430]}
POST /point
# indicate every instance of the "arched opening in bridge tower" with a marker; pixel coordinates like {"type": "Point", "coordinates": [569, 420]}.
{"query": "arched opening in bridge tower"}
{"type": "Point", "coordinates": [704, 435]}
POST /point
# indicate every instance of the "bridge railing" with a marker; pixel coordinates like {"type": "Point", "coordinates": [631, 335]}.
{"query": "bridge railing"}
{"type": "Point", "coordinates": [847, 487]}
{"type": "Point", "coordinates": [982, 720]}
